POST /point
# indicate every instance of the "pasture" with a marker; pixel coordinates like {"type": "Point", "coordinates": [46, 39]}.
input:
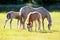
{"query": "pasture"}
{"type": "Point", "coordinates": [19, 34]}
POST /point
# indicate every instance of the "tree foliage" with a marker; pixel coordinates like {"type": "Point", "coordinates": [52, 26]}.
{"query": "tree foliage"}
{"type": "Point", "coordinates": [40, 2]}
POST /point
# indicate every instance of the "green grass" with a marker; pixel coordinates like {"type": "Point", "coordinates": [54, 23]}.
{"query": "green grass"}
{"type": "Point", "coordinates": [19, 34]}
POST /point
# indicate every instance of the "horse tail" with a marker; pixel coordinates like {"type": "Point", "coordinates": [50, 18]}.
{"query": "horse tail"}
{"type": "Point", "coordinates": [8, 16]}
{"type": "Point", "coordinates": [48, 16]}
{"type": "Point", "coordinates": [49, 21]}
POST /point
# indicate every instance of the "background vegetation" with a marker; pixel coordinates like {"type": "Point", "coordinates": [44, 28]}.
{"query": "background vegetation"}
{"type": "Point", "coordinates": [8, 5]}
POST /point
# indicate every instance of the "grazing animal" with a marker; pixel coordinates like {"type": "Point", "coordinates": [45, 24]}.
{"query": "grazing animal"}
{"type": "Point", "coordinates": [33, 16]}
{"type": "Point", "coordinates": [12, 15]}
{"type": "Point", "coordinates": [24, 11]}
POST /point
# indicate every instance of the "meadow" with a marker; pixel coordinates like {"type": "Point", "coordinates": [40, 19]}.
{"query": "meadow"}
{"type": "Point", "coordinates": [19, 34]}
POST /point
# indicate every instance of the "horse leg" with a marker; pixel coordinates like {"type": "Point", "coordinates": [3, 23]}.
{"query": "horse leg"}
{"type": "Point", "coordinates": [24, 25]}
{"type": "Point", "coordinates": [43, 24]}
{"type": "Point", "coordinates": [22, 21]}
{"type": "Point", "coordinates": [31, 26]}
{"type": "Point", "coordinates": [17, 23]}
{"type": "Point", "coordinates": [10, 23]}
{"type": "Point", "coordinates": [5, 22]}
{"type": "Point", "coordinates": [36, 25]}
{"type": "Point", "coordinates": [39, 24]}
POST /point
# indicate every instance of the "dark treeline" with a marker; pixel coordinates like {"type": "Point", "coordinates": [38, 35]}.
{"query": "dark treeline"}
{"type": "Point", "coordinates": [41, 2]}
{"type": "Point", "coordinates": [7, 5]}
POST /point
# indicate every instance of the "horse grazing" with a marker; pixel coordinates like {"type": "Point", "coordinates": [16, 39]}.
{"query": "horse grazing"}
{"type": "Point", "coordinates": [11, 15]}
{"type": "Point", "coordinates": [32, 16]}
{"type": "Point", "coordinates": [24, 11]}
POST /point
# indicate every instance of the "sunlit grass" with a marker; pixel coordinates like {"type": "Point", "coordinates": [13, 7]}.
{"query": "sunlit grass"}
{"type": "Point", "coordinates": [19, 34]}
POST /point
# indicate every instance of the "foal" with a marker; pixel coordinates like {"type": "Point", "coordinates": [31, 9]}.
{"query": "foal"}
{"type": "Point", "coordinates": [11, 15]}
{"type": "Point", "coordinates": [33, 16]}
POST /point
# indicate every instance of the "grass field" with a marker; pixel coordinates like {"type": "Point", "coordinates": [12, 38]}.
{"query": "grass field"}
{"type": "Point", "coordinates": [19, 34]}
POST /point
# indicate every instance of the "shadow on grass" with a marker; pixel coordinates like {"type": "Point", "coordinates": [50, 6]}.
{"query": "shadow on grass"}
{"type": "Point", "coordinates": [42, 31]}
{"type": "Point", "coordinates": [46, 31]}
{"type": "Point", "coordinates": [51, 31]}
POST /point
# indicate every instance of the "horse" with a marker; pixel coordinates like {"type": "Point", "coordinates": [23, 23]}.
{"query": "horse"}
{"type": "Point", "coordinates": [33, 16]}
{"type": "Point", "coordinates": [24, 11]}
{"type": "Point", "coordinates": [12, 15]}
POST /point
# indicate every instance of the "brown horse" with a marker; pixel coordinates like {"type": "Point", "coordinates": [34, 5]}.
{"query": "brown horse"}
{"type": "Point", "coordinates": [33, 16]}
{"type": "Point", "coordinates": [24, 11]}
{"type": "Point", "coordinates": [12, 15]}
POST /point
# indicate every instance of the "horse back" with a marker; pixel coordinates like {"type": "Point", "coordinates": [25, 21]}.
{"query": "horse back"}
{"type": "Point", "coordinates": [17, 16]}
{"type": "Point", "coordinates": [34, 16]}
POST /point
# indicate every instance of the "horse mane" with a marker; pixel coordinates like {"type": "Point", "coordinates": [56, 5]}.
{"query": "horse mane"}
{"type": "Point", "coordinates": [28, 16]}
